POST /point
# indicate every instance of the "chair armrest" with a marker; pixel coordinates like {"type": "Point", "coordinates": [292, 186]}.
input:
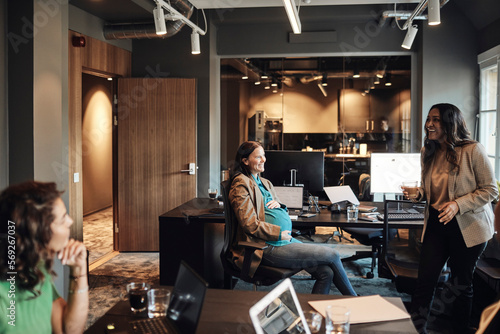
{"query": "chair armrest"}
{"type": "Point", "coordinates": [253, 245]}
{"type": "Point", "coordinates": [250, 248]}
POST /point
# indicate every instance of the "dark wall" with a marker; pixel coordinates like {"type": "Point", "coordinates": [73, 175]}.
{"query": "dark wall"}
{"type": "Point", "coordinates": [171, 57]}
{"type": "Point", "coordinates": [20, 93]}
{"type": "Point", "coordinates": [265, 31]}
{"type": "Point", "coordinates": [449, 66]}
{"type": "Point", "coordinates": [489, 37]}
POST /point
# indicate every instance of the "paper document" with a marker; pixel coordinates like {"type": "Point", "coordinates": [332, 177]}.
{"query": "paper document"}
{"type": "Point", "coordinates": [364, 309]}
{"type": "Point", "coordinates": [341, 193]}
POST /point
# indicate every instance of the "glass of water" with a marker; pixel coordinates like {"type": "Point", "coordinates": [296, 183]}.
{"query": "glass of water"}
{"type": "Point", "coordinates": [337, 320]}
{"type": "Point", "coordinates": [314, 320]}
{"type": "Point", "coordinates": [352, 213]}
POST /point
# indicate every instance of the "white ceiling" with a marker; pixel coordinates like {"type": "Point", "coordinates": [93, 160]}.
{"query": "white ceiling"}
{"type": "Point", "coordinates": [213, 4]}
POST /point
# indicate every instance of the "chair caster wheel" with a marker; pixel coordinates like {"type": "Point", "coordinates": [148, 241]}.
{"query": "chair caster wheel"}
{"type": "Point", "coordinates": [370, 275]}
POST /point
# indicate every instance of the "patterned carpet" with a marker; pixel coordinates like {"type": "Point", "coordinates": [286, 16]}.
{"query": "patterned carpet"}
{"type": "Point", "coordinates": [98, 233]}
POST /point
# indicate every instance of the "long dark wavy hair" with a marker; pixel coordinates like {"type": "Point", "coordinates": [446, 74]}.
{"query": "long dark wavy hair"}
{"type": "Point", "coordinates": [243, 152]}
{"type": "Point", "coordinates": [26, 215]}
{"type": "Point", "coordinates": [455, 129]}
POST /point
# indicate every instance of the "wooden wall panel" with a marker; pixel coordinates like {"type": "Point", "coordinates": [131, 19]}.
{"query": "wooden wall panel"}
{"type": "Point", "coordinates": [106, 58]}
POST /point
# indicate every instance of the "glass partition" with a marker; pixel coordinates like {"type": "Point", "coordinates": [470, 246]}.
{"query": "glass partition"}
{"type": "Point", "coordinates": [346, 107]}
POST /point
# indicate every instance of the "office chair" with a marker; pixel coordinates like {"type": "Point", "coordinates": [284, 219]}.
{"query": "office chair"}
{"type": "Point", "coordinates": [265, 275]}
{"type": "Point", "coordinates": [403, 273]}
{"type": "Point", "coordinates": [367, 236]}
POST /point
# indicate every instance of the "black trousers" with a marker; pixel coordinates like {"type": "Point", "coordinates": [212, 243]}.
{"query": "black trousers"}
{"type": "Point", "coordinates": [443, 243]}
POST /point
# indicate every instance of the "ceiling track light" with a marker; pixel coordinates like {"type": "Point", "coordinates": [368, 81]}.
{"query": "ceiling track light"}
{"type": "Point", "coordinates": [433, 12]}
{"type": "Point", "coordinates": [376, 80]}
{"type": "Point", "coordinates": [159, 17]}
{"type": "Point", "coordinates": [410, 36]}
{"type": "Point", "coordinates": [355, 73]}
{"type": "Point", "coordinates": [293, 16]}
{"type": "Point", "coordinates": [175, 15]}
{"type": "Point", "coordinates": [324, 80]}
{"type": "Point", "coordinates": [195, 43]}
{"type": "Point", "coordinates": [388, 81]}
{"type": "Point", "coordinates": [322, 89]}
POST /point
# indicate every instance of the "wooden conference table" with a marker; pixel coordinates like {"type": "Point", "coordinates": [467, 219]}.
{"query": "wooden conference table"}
{"type": "Point", "coordinates": [226, 311]}
{"type": "Point", "coordinates": [194, 233]}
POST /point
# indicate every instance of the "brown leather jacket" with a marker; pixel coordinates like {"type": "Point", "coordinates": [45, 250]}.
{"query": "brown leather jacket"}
{"type": "Point", "coordinates": [248, 205]}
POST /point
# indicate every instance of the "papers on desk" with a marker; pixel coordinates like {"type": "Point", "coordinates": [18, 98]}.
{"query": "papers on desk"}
{"type": "Point", "coordinates": [341, 193]}
{"type": "Point", "coordinates": [364, 309]}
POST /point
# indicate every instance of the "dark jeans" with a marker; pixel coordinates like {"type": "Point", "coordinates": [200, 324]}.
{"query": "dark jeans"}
{"type": "Point", "coordinates": [443, 243]}
{"type": "Point", "coordinates": [322, 262]}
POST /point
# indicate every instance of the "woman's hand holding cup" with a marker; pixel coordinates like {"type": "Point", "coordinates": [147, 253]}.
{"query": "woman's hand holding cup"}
{"type": "Point", "coordinates": [410, 189]}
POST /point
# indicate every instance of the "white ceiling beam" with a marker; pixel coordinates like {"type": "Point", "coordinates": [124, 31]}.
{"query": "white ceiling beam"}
{"type": "Point", "coordinates": [217, 4]}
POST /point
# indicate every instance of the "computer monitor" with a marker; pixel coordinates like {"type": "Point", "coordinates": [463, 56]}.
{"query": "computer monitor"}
{"type": "Point", "coordinates": [304, 168]}
{"type": "Point", "coordinates": [389, 170]}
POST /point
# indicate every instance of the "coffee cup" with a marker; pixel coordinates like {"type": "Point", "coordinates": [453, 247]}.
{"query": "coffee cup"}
{"type": "Point", "coordinates": [212, 193]}
{"type": "Point", "coordinates": [138, 296]}
{"type": "Point", "coordinates": [411, 189]}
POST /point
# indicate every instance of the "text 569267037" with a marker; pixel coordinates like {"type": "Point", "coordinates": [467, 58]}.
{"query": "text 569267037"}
{"type": "Point", "coordinates": [11, 264]}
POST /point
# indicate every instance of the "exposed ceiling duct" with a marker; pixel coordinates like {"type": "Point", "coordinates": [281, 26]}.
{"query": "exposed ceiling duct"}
{"type": "Point", "coordinates": [148, 30]}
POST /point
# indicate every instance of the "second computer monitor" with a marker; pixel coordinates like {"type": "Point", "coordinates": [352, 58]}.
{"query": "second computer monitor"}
{"type": "Point", "coordinates": [305, 166]}
{"type": "Point", "coordinates": [389, 170]}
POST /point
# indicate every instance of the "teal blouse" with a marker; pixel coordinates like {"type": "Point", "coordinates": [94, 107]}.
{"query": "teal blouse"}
{"type": "Point", "coordinates": [277, 216]}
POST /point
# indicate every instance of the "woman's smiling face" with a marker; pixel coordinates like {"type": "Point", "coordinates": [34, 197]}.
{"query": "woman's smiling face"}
{"type": "Point", "coordinates": [433, 126]}
{"type": "Point", "coordinates": [255, 161]}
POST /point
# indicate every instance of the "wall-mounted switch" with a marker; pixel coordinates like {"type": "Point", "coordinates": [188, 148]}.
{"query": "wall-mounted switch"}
{"type": "Point", "coordinates": [76, 177]}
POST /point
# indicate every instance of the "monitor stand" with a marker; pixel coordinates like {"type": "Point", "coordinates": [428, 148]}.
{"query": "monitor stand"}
{"type": "Point", "coordinates": [399, 208]}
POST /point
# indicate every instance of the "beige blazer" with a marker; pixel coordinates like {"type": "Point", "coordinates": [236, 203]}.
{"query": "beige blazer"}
{"type": "Point", "coordinates": [248, 205]}
{"type": "Point", "coordinates": [473, 187]}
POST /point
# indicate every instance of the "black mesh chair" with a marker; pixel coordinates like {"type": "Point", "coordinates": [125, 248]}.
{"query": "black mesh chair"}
{"type": "Point", "coordinates": [373, 237]}
{"type": "Point", "coordinates": [264, 275]}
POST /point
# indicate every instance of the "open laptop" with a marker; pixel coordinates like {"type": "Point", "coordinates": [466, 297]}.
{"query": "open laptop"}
{"type": "Point", "coordinates": [279, 312]}
{"type": "Point", "coordinates": [184, 309]}
{"type": "Point", "coordinates": [292, 197]}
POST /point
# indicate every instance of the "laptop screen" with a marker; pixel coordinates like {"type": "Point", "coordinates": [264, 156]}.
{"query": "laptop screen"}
{"type": "Point", "coordinates": [279, 312]}
{"type": "Point", "coordinates": [290, 196]}
{"type": "Point", "coordinates": [187, 299]}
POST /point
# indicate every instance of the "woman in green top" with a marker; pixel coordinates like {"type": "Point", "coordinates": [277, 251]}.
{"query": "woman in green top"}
{"type": "Point", "coordinates": [264, 220]}
{"type": "Point", "coordinates": [34, 229]}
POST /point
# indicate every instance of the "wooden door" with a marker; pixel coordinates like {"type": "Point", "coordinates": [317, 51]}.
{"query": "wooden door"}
{"type": "Point", "coordinates": [156, 140]}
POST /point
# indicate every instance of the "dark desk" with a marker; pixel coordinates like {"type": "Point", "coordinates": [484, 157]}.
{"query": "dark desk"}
{"type": "Point", "coordinates": [191, 233]}
{"type": "Point", "coordinates": [226, 311]}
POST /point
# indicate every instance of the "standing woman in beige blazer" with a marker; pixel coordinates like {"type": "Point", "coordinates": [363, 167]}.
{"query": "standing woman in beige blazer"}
{"type": "Point", "coordinates": [458, 185]}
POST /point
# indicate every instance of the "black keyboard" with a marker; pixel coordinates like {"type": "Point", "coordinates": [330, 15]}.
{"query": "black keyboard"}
{"type": "Point", "coordinates": [402, 216]}
{"type": "Point", "coordinates": [150, 326]}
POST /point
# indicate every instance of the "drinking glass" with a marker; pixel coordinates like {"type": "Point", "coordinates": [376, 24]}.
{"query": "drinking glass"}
{"type": "Point", "coordinates": [314, 320]}
{"type": "Point", "coordinates": [138, 296]}
{"type": "Point", "coordinates": [352, 213]}
{"type": "Point", "coordinates": [410, 187]}
{"type": "Point", "coordinates": [212, 193]}
{"type": "Point", "coordinates": [158, 300]}
{"type": "Point", "coordinates": [337, 320]}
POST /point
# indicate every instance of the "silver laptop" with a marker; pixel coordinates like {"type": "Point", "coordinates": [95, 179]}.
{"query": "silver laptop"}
{"type": "Point", "coordinates": [279, 312]}
{"type": "Point", "coordinates": [291, 197]}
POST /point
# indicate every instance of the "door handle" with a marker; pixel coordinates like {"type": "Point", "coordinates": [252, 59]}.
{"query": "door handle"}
{"type": "Point", "coordinates": [191, 170]}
